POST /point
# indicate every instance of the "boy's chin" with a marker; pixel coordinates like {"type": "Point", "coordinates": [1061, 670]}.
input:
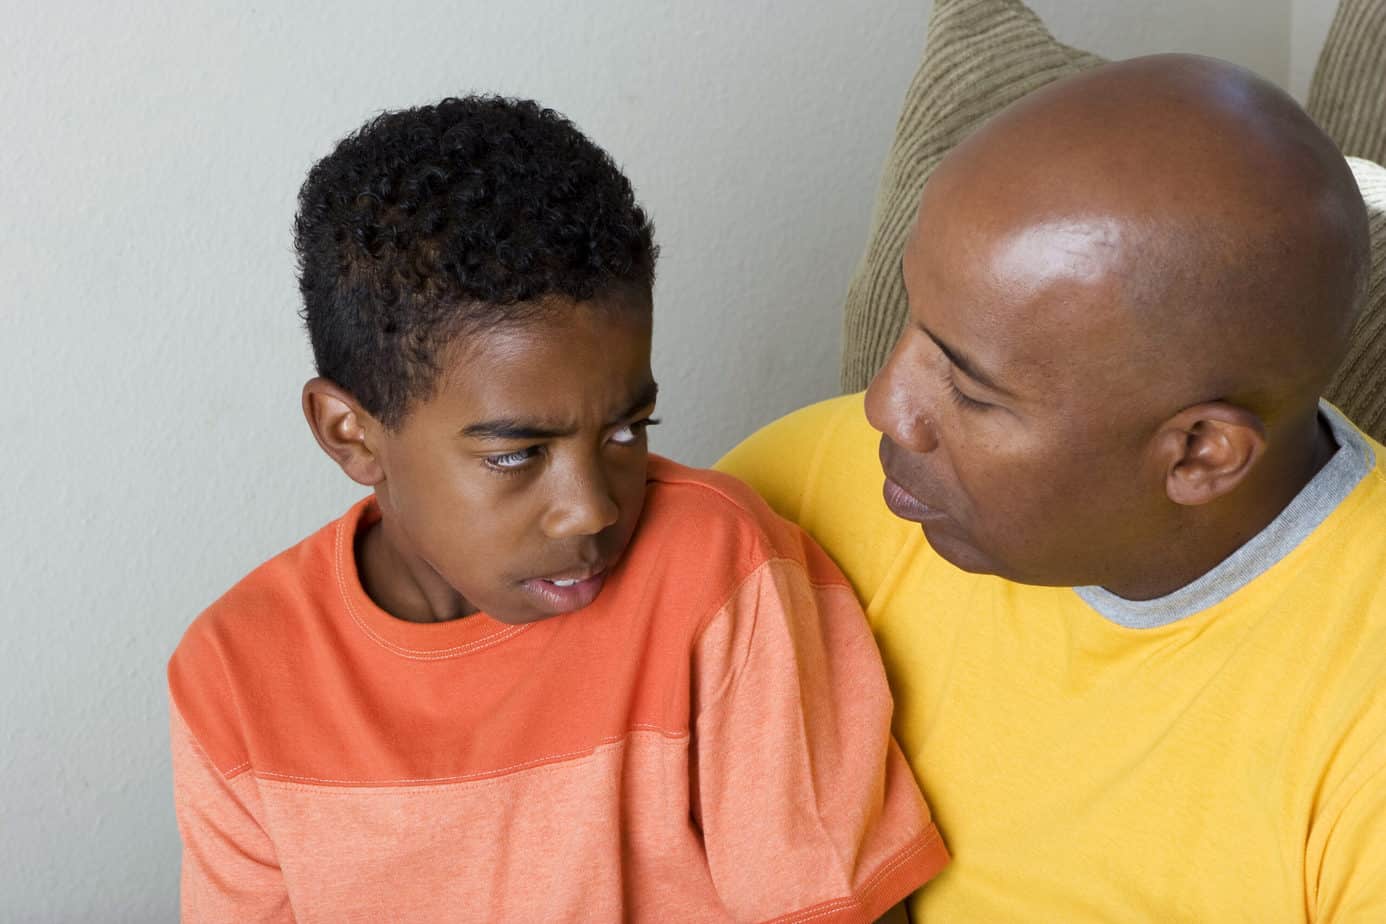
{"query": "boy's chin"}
{"type": "Point", "coordinates": [521, 619]}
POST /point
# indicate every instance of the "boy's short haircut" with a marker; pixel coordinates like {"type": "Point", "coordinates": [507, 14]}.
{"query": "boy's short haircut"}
{"type": "Point", "coordinates": [434, 221]}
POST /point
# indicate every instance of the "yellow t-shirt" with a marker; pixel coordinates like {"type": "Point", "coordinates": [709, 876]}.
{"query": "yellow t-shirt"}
{"type": "Point", "coordinates": [1226, 766]}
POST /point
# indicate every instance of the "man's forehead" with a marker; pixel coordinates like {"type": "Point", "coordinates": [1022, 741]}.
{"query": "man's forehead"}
{"type": "Point", "coordinates": [1080, 250]}
{"type": "Point", "coordinates": [1025, 300]}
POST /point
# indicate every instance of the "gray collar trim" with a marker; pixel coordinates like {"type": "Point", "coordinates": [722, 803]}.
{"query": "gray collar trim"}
{"type": "Point", "coordinates": [1310, 507]}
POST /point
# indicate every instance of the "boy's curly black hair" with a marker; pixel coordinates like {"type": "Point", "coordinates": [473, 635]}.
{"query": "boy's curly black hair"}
{"type": "Point", "coordinates": [431, 222]}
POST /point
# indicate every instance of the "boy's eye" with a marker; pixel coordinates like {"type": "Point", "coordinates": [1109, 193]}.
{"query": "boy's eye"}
{"type": "Point", "coordinates": [509, 461]}
{"type": "Point", "coordinates": [632, 432]}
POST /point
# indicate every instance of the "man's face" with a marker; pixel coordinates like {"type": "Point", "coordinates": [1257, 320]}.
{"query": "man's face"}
{"type": "Point", "coordinates": [1014, 426]}
{"type": "Point", "coordinates": [520, 482]}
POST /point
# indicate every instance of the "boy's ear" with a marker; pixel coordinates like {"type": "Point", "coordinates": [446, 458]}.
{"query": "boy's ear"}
{"type": "Point", "coordinates": [343, 430]}
{"type": "Point", "coordinates": [1208, 449]}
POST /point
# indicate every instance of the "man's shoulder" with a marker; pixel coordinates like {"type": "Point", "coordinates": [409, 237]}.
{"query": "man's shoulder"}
{"type": "Point", "coordinates": [820, 467]}
{"type": "Point", "coordinates": [1350, 544]}
{"type": "Point", "coordinates": [1375, 480]}
{"type": "Point", "coordinates": [824, 446]}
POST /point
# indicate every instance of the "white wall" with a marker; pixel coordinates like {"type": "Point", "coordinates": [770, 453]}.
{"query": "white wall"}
{"type": "Point", "coordinates": [1253, 33]}
{"type": "Point", "coordinates": [150, 357]}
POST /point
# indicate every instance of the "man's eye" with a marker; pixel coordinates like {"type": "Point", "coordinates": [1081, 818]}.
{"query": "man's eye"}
{"type": "Point", "coordinates": [964, 401]}
{"type": "Point", "coordinates": [632, 432]}
{"type": "Point", "coordinates": [509, 461]}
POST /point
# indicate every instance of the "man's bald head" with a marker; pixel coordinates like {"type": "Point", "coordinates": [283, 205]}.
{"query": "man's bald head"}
{"type": "Point", "coordinates": [1218, 218]}
{"type": "Point", "coordinates": [1126, 293]}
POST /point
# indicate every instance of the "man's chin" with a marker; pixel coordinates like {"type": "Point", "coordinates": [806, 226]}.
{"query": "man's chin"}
{"type": "Point", "coordinates": [958, 552]}
{"type": "Point", "coordinates": [967, 557]}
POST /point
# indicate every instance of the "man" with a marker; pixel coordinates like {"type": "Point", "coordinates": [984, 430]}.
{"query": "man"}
{"type": "Point", "coordinates": [1138, 647]}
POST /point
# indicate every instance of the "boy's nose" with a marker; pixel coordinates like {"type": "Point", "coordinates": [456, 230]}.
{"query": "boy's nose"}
{"type": "Point", "coordinates": [584, 507]}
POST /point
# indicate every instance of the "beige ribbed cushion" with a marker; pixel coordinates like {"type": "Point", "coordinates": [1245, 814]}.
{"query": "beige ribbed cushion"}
{"type": "Point", "coordinates": [1348, 94]}
{"type": "Point", "coordinates": [981, 55]}
{"type": "Point", "coordinates": [1360, 386]}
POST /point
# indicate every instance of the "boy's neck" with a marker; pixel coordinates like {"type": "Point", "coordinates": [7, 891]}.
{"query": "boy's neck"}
{"type": "Point", "coordinates": [402, 585]}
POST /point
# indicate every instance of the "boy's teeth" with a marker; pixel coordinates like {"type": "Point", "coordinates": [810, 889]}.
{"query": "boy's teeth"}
{"type": "Point", "coordinates": [565, 583]}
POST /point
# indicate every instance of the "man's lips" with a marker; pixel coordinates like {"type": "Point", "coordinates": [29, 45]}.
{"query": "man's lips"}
{"type": "Point", "coordinates": [901, 502]}
{"type": "Point", "coordinates": [906, 506]}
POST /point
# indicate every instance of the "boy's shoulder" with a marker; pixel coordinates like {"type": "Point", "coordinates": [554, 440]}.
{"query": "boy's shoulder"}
{"type": "Point", "coordinates": [716, 526]}
{"type": "Point", "coordinates": [706, 493]}
{"type": "Point", "coordinates": [303, 577]}
{"type": "Point", "coordinates": [247, 629]}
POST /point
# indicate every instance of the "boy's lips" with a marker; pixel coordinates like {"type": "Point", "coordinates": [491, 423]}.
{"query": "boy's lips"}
{"type": "Point", "coordinates": [567, 591]}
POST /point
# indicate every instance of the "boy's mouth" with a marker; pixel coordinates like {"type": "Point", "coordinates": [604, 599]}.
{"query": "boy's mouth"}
{"type": "Point", "coordinates": [566, 592]}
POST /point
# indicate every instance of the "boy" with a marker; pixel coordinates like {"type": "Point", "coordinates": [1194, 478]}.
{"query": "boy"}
{"type": "Point", "coordinates": [537, 675]}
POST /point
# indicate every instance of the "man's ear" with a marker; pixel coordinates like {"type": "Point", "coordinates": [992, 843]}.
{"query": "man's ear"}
{"type": "Point", "coordinates": [343, 430]}
{"type": "Point", "coordinates": [1207, 450]}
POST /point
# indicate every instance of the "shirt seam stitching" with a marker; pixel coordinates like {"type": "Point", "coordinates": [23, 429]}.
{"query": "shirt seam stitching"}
{"type": "Point", "coordinates": [547, 760]}
{"type": "Point", "coordinates": [923, 840]}
{"type": "Point", "coordinates": [706, 622]}
{"type": "Point", "coordinates": [413, 654]}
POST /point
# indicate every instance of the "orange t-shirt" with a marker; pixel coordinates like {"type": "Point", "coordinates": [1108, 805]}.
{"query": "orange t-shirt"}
{"type": "Point", "coordinates": [708, 741]}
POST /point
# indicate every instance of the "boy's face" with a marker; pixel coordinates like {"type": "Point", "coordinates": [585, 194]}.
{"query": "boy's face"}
{"type": "Point", "coordinates": [515, 489]}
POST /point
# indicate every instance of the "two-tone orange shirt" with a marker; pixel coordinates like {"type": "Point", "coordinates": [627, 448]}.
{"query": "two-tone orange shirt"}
{"type": "Point", "coordinates": [708, 741]}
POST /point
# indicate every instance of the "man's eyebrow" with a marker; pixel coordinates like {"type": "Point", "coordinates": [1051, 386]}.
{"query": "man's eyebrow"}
{"type": "Point", "coordinates": [969, 367]}
{"type": "Point", "coordinates": [511, 428]}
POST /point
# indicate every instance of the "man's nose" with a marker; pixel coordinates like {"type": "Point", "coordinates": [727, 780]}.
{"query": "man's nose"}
{"type": "Point", "coordinates": [896, 404]}
{"type": "Point", "coordinates": [583, 506]}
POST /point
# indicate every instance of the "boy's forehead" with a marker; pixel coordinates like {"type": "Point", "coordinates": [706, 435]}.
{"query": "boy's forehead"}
{"type": "Point", "coordinates": [566, 365]}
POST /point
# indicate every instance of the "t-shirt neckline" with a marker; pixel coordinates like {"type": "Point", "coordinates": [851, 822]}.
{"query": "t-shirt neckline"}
{"type": "Point", "coordinates": [415, 640]}
{"type": "Point", "coordinates": [1315, 502]}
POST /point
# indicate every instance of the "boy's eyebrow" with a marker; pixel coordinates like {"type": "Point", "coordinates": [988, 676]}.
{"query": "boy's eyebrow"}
{"type": "Point", "coordinates": [509, 428]}
{"type": "Point", "coordinates": [643, 398]}
{"type": "Point", "coordinates": [969, 367]}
